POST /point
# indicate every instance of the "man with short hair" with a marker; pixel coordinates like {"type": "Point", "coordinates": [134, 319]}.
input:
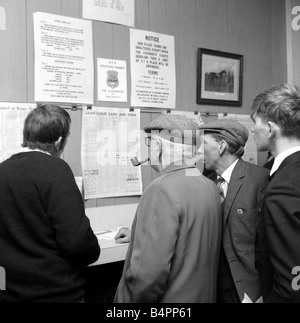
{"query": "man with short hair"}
{"type": "Point", "coordinates": [175, 237]}
{"type": "Point", "coordinates": [239, 183]}
{"type": "Point", "coordinates": [46, 240]}
{"type": "Point", "coordinates": [276, 116]}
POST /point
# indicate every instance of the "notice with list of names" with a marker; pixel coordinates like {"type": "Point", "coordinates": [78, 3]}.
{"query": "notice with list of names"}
{"type": "Point", "coordinates": [64, 68]}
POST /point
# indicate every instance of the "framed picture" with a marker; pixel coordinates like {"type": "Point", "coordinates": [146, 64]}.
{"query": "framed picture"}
{"type": "Point", "coordinates": [219, 78]}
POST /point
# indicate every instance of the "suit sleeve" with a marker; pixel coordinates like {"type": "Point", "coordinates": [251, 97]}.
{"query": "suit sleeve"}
{"type": "Point", "coordinates": [282, 229]}
{"type": "Point", "coordinates": [153, 246]}
{"type": "Point", "coordinates": [64, 206]}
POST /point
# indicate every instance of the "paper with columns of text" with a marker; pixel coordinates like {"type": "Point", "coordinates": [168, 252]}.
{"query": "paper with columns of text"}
{"type": "Point", "coordinates": [12, 117]}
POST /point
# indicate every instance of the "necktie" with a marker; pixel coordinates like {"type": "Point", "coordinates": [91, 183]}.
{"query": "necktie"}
{"type": "Point", "coordinates": [220, 186]}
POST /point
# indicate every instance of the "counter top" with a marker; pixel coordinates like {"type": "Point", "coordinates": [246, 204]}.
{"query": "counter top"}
{"type": "Point", "coordinates": [110, 218]}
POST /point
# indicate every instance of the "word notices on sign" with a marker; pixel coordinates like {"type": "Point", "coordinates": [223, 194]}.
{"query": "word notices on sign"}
{"type": "Point", "coordinates": [112, 80]}
{"type": "Point", "coordinates": [115, 11]}
{"type": "Point", "coordinates": [12, 117]}
{"type": "Point", "coordinates": [110, 138]}
{"type": "Point", "coordinates": [153, 76]}
{"type": "Point", "coordinates": [64, 68]}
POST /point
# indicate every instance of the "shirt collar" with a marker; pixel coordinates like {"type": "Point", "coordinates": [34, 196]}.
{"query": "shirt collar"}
{"type": "Point", "coordinates": [281, 157]}
{"type": "Point", "coordinates": [228, 172]}
{"type": "Point", "coordinates": [26, 150]}
{"type": "Point", "coordinates": [173, 167]}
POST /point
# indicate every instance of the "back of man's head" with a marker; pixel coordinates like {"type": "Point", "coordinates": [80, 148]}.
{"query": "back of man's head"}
{"type": "Point", "coordinates": [281, 105]}
{"type": "Point", "coordinates": [44, 126]}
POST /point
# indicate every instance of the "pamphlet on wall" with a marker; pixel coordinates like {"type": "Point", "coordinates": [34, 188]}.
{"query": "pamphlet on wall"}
{"type": "Point", "coordinates": [114, 11]}
{"type": "Point", "coordinates": [112, 80]}
{"type": "Point", "coordinates": [64, 63]}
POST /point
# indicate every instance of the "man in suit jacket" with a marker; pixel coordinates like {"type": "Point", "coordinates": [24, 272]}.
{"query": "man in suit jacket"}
{"type": "Point", "coordinates": [276, 116]}
{"type": "Point", "coordinates": [224, 142]}
{"type": "Point", "coordinates": [176, 234]}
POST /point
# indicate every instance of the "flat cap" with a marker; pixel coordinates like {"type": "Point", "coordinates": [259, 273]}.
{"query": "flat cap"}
{"type": "Point", "coordinates": [174, 128]}
{"type": "Point", "coordinates": [230, 129]}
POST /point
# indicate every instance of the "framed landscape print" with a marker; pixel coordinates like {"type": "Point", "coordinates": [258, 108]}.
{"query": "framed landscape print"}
{"type": "Point", "coordinates": [219, 78]}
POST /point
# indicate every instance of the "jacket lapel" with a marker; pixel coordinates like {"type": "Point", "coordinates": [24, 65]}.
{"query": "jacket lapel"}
{"type": "Point", "coordinates": [233, 188]}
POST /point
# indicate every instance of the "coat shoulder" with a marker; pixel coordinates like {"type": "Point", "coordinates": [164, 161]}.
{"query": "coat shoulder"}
{"type": "Point", "coordinates": [258, 172]}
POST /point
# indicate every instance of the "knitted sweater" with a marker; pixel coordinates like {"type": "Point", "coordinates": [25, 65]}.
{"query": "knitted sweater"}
{"type": "Point", "coordinates": [45, 237]}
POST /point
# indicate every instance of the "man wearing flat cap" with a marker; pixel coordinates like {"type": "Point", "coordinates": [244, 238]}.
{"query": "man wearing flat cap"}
{"type": "Point", "coordinates": [176, 233]}
{"type": "Point", "coordinates": [239, 183]}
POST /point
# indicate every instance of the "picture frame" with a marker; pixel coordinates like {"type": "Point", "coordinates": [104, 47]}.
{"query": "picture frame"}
{"type": "Point", "coordinates": [219, 78]}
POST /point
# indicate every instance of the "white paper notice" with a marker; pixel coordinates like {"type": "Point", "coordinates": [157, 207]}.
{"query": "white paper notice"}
{"type": "Point", "coordinates": [110, 138]}
{"type": "Point", "coordinates": [64, 68]}
{"type": "Point", "coordinates": [112, 80]}
{"type": "Point", "coordinates": [114, 11]}
{"type": "Point", "coordinates": [153, 77]}
{"type": "Point", "coordinates": [12, 117]}
{"type": "Point", "coordinates": [250, 154]}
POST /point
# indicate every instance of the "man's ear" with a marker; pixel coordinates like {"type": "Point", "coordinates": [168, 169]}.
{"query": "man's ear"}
{"type": "Point", "coordinates": [222, 146]}
{"type": "Point", "coordinates": [58, 143]}
{"type": "Point", "coordinates": [273, 129]}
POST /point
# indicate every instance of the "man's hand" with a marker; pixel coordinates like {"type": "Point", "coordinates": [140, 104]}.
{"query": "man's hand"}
{"type": "Point", "coordinates": [123, 236]}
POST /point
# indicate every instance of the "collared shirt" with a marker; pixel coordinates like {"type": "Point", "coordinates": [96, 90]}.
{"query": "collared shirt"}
{"type": "Point", "coordinates": [226, 176]}
{"type": "Point", "coordinates": [281, 157]}
{"type": "Point", "coordinates": [26, 150]}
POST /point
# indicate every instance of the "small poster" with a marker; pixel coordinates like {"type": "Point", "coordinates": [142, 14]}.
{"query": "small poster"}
{"type": "Point", "coordinates": [112, 80]}
{"type": "Point", "coordinates": [115, 11]}
{"type": "Point", "coordinates": [153, 78]}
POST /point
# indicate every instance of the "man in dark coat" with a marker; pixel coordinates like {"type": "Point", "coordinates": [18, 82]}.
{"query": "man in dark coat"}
{"type": "Point", "coordinates": [240, 182]}
{"type": "Point", "coordinates": [276, 116]}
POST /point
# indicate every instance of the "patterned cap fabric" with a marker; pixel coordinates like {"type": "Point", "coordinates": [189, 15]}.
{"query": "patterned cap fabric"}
{"type": "Point", "coordinates": [179, 129]}
{"type": "Point", "coordinates": [230, 129]}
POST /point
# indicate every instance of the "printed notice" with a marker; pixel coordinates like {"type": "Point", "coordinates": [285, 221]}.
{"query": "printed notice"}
{"type": "Point", "coordinates": [12, 117]}
{"type": "Point", "coordinates": [115, 11]}
{"type": "Point", "coordinates": [64, 69]}
{"type": "Point", "coordinates": [250, 154]}
{"type": "Point", "coordinates": [110, 138]}
{"type": "Point", "coordinates": [152, 70]}
{"type": "Point", "coordinates": [112, 80]}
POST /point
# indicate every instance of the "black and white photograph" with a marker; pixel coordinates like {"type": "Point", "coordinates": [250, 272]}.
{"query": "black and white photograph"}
{"type": "Point", "coordinates": [149, 156]}
{"type": "Point", "coordinates": [219, 78]}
